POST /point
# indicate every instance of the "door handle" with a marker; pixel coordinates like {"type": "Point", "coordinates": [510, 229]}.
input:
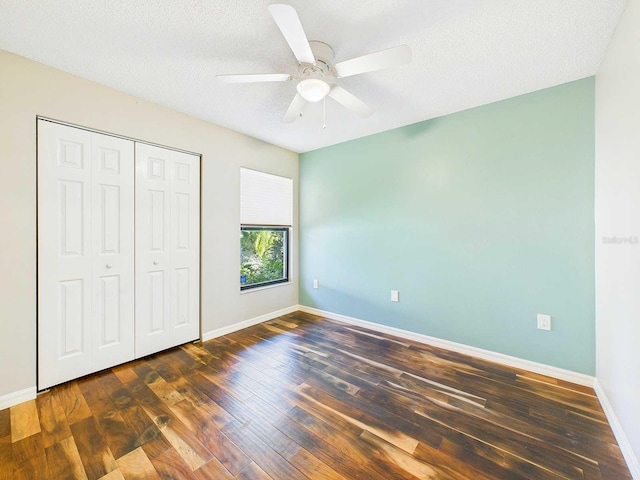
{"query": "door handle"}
{"type": "Point", "coordinates": [155, 262]}
{"type": "Point", "coordinates": [108, 265]}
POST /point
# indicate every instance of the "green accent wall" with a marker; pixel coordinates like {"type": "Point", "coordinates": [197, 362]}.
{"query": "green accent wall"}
{"type": "Point", "coordinates": [481, 219]}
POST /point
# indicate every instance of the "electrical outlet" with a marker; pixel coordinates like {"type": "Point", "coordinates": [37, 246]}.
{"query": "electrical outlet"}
{"type": "Point", "coordinates": [316, 284]}
{"type": "Point", "coordinates": [544, 322]}
{"type": "Point", "coordinates": [395, 296]}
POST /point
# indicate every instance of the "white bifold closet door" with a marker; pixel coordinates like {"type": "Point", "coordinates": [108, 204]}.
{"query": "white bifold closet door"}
{"type": "Point", "coordinates": [118, 251]}
{"type": "Point", "coordinates": [167, 248]}
{"type": "Point", "coordinates": [85, 252]}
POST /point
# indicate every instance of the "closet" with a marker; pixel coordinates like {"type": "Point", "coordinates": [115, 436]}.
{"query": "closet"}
{"type": "Point", "coordinates": [118, 250]}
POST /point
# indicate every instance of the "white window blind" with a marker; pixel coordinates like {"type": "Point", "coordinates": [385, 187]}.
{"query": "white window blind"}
{"type": "Point", "coordinates": [265, 199]}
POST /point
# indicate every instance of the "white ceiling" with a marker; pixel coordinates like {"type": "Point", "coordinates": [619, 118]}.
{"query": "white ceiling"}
{"type": "Point", "coordinates": [465, 53]}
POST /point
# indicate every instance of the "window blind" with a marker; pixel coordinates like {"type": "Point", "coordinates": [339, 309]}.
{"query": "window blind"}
{"type": "Point", "coordinates": [265, 199]}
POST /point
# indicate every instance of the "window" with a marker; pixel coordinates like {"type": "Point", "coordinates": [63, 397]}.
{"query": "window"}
{"type": "Point", "coordinates": [264, 258]}
{"type": "Point", "coordinates": [265, 221]}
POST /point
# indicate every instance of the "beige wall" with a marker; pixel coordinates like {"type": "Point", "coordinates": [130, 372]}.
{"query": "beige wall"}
{"type": "Point", "coordinates": [28, 89]}
{"type": "Point", "coordinates": [618, 215]}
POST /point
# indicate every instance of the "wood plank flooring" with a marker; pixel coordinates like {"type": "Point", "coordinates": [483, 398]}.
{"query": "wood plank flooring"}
{"type": "Point", "coordinates": [301, 397]}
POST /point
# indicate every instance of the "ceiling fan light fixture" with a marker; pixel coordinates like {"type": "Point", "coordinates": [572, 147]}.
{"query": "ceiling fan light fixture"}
{"type": "Point", "coordinates": [313, 89]}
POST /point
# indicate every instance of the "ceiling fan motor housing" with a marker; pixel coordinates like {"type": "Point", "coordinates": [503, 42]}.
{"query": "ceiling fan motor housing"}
{"type": "Point", "coordinates": [323, 54]}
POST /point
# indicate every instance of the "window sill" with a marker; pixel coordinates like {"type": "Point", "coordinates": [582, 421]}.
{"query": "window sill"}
{"type": "Point", "coordinates": [266, 287]}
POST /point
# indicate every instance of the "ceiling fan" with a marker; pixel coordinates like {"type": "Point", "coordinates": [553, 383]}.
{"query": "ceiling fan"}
{"type": "Point", "coordinates": [316, 70]}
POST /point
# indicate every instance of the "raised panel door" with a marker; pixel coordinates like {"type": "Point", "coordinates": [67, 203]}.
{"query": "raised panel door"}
{"type": "Point", "coordinates": [112, 251]}
{"type": "Point", "coordinates": [64, 253]}
{"type": "Point", "coordinates": [167, 248]}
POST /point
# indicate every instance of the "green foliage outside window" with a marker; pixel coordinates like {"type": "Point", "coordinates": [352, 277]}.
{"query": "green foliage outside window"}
{"type": "Point", "coordinates": [263, 256]}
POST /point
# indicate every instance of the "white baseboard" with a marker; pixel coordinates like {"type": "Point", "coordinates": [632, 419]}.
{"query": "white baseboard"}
{"type": "Point", "coordinates": [14, 398]}
{"type": "Point", "coordinates": [540, 368]}
{"type": "Point", "coordinates": [618, 432]}
{"type": "Point", "coordinates": [218, 332]}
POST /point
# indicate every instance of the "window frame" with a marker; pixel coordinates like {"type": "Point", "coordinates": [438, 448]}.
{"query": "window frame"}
{"type": "Point", "coordinates": [286, 260]}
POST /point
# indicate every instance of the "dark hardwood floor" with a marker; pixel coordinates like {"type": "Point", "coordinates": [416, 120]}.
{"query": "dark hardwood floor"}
{"type": "Point", "coordinates": [301, 397]}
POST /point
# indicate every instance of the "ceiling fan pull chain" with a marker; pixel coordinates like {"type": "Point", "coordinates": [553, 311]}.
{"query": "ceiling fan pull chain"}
{"type": "Point", "coordinates": [324, 113]}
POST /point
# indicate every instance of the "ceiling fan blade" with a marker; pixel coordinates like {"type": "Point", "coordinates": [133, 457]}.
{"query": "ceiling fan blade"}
{"type": "Point", "coordinates": [289, 24]}
{"type": "Point", "coordinates": [351, 102]}
{"type": "Point", "coordinates": [254, 77]}
{"type": "Point", "coordinates": [391, 57]}
{"type": "Point", "coordinates": [294, 110]}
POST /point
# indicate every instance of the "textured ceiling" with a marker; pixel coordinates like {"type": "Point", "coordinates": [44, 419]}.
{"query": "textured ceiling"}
{"type": "Point", "coordinates": [465, 53]}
